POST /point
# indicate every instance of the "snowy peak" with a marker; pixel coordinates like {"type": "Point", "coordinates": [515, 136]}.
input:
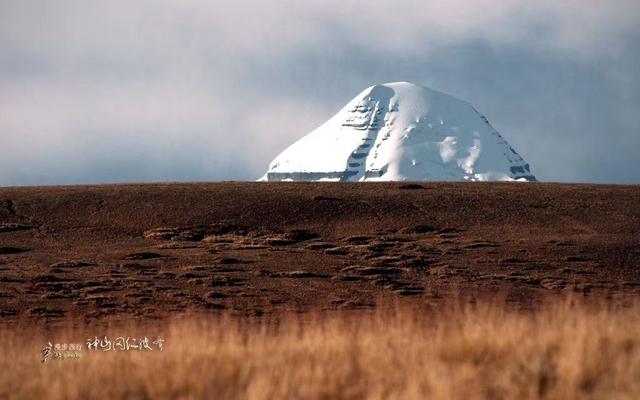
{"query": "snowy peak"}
{"type": "Point", "coordinates": [401, 131]}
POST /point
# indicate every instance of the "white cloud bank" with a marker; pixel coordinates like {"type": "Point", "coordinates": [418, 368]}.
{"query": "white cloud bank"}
{"type": "Point", "coordinates": [196, 89]}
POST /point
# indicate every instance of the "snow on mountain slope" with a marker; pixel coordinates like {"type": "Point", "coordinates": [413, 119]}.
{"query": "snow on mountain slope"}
{"type": "Point", "coordinates": [401, 131]}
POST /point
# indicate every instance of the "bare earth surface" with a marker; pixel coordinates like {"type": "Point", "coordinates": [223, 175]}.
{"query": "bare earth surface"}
{"type": "Point", "coordinates": [120, 251]}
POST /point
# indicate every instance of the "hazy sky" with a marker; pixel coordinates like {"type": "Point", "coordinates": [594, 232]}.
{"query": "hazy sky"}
{"type": "Point", "coordinates": [159, 90]}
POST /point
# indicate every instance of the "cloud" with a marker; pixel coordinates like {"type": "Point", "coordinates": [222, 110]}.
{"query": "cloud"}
{"type": "Point", "coordinates": [262, 27]}
{"type": "Point", "coordinates": [192, 90]}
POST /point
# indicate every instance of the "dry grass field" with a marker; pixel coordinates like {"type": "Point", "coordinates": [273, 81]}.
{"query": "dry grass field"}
{"type": "Point", "coordinates": [562, 350]}
{"type": "Point", "coordinates": [321, 291]}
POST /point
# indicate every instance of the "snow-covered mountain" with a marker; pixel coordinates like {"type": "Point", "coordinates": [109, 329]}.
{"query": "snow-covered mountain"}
{"type": "Point", "coordinates": [401, 131]}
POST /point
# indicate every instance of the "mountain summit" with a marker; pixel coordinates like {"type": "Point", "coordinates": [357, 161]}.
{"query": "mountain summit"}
{"type": "Point", "coordinates": [401, 131]}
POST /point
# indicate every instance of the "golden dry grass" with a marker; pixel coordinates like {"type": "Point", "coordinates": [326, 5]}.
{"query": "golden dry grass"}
{"type": "Point", "coordinates": [564, 351]}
